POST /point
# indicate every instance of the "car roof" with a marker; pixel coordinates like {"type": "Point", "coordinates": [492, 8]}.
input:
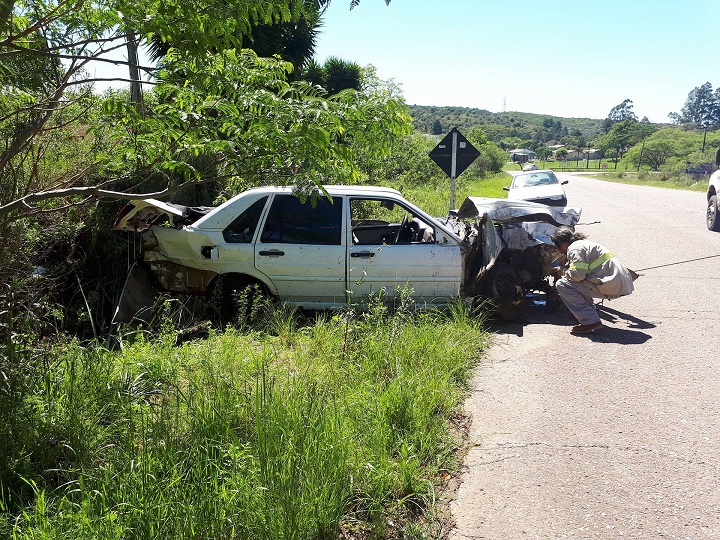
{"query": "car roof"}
{"type": "Point", "coordinates": [211, 221]}
{"type": "Point", "coordinates": [339, 189]}
{"type": "Point", "coordinates": [535, 171]}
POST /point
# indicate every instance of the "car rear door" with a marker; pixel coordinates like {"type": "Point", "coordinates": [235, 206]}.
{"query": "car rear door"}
{"type": "Point", "coordinates": [302, 250]}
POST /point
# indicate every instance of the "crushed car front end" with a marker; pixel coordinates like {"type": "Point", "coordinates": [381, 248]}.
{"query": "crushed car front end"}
{"type": "Point", "coordinates": [509, 251]}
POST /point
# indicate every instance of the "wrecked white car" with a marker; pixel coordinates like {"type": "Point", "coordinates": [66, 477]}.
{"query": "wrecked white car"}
{"type": "Point", "coordinates": [339, 248]}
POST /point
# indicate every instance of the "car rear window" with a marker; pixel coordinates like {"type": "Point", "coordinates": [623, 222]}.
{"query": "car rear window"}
{"type": "Point", "coordinates": [243, 227]}
{"type": "Point", "coordinates": [290, 221]}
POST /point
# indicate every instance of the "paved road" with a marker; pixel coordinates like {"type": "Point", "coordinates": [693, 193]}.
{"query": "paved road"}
{"type": "Point", "coordinates": [615, 435]}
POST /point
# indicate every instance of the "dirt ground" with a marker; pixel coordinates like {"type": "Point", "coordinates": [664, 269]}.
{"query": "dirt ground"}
{"type": "Point", "coordinates": [617, 434]}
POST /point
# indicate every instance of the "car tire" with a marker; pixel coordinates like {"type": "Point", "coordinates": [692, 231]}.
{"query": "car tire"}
{"type": "Point", "coordinates": [505, 291]}
{"type": "Point", "coordinates": [713, 218]}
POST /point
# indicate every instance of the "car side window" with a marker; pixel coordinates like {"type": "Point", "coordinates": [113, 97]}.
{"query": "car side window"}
{"type": "Point", "coordinates": [290, 221]}
{"type": "Point", "coordinates": [243, 227]}
{"type": "Point", "coordinates": [382, 221]}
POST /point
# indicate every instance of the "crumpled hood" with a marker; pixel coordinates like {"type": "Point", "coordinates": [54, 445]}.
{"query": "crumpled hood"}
{"type": "Point", "coordinates": [509, 211]}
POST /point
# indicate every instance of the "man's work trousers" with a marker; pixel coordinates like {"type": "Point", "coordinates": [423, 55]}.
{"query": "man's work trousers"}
{"type": "Point", "coordinates": [578, 297]}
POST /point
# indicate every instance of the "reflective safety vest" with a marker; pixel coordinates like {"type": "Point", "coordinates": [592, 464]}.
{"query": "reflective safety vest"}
{"type": "Point", "coordinates": [592, 262]}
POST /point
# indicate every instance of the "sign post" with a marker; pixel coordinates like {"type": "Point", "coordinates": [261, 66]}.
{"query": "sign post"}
{"type": "Point", "coordinates": [453, 155]}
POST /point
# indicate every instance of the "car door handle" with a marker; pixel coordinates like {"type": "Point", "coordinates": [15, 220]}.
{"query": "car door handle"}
{"type": "Point", "coordinates": [272, 253]}
{"type": "Point", "coordinates": [363, 254]}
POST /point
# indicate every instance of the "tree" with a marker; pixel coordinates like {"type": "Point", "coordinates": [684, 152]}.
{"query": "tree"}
{"type": "Point", "coordinates": [621, 136]}
{"type": "Point", "coordinates": [543, 152]}
{"type": "Point", "coordinates": [491, 158]}
{"type": "Point", "coordinates": [702, 108]}
{"type": "Point", "coordinates": [662, 146]}
{"type": "Point", "coordinates": [340, 75]}
{"type": "Point", "coordinates": [292, 38]}
{"type": "Point", "coordinates": [243, 116]}
{"type": "Point", "coordinates": [408, 162]}
{"type": "Point", "coordinates": [509, 143]}
{"type": "Point", "coordinates": [561, 153]}
{"type": "Point", "coordinates": [75, 32]}
{"type": "Point", "coordinates": [619, 113]}
{"type": "Point", "coordinates": [334, 75]}
{"type": "Point", "coordinates": [477, 136]}
{"type": "Point", "coordinates": [81, 34]}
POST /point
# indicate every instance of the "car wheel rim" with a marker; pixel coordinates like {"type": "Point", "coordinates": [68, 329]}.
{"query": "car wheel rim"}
{"type": "Point", "coordinates": [507, 288]}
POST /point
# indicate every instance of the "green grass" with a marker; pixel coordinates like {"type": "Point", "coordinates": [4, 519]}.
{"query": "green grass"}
{"type": "Point", "coordinates": [290, 431]}
{"type": "Point", "coordinates": [654, 179]}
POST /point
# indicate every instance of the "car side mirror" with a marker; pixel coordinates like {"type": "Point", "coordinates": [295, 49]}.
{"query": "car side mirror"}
{"type": "Point", "coordinates": [506, 188]}
{"type": "Point", "coordinates": [564, 182]}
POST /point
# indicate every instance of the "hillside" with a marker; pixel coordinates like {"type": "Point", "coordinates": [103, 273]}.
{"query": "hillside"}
{"type": "Point", "coordinates": [512, 127]}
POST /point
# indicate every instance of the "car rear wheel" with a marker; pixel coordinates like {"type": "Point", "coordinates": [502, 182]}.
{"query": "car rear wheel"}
{"type": "Point", "coordinates": [238, 300]}
{"type": "Point", "coordinates": [713, 219]}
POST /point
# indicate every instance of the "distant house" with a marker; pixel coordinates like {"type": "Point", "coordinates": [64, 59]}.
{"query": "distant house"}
{"type": "Point", "coordinates": [576, 155]}
{"type": "Point", "coordinates": [521, 155]}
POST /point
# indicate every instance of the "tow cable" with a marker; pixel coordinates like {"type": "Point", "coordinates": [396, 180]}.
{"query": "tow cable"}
{"type": "Point", "coordinates": [661, 265]}
{"type": "Point", "coordinates": [679, 262]}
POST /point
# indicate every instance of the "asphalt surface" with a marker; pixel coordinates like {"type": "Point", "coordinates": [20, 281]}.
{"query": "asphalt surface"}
{"type": "Point", "coordinates": [617, 434]}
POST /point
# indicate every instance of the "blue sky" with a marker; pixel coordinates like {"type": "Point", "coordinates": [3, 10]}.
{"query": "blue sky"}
{"type": "Point", "coordinates": [555, 57]}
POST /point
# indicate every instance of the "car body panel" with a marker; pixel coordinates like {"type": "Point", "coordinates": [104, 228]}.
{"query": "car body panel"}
{"type": "Point", "coordinates": [139, 215]}
{"type": "Point", "coordinates": [304, 273]}
{"type": "Point", "coordinates": [375, 268]}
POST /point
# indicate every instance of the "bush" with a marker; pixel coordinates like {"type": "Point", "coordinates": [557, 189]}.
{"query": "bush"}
{"type": "Point", "coordinates": [491, 160]}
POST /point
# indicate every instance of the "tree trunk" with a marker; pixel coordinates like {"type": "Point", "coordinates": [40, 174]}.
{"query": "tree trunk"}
{"type": "Point", "coordinates": [133, 61]}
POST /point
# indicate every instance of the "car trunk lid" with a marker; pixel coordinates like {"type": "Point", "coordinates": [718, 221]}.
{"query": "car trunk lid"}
{"type": "Point", "coordinates": [140, 215]}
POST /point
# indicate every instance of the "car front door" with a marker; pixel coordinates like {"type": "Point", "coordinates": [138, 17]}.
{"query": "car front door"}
{"type": "Point", "coordinates": [391, 249]}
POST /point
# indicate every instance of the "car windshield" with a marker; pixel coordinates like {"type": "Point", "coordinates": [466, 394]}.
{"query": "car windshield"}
{"type": "Point", "coordinates": [534, 179]}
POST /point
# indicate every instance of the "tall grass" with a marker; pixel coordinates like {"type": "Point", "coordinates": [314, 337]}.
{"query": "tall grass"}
{"type": "Point", "coordinates": [306, 431]}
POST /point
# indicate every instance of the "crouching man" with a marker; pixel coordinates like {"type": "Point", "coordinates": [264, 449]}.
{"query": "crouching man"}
{"type": "Point", "coordinates": [592, 271]}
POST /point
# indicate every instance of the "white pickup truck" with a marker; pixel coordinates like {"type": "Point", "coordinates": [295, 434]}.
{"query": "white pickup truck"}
{"type": "Point", "coordinates": [339, 247]}
{"type": "Point", "coordinates": [713, 193]}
